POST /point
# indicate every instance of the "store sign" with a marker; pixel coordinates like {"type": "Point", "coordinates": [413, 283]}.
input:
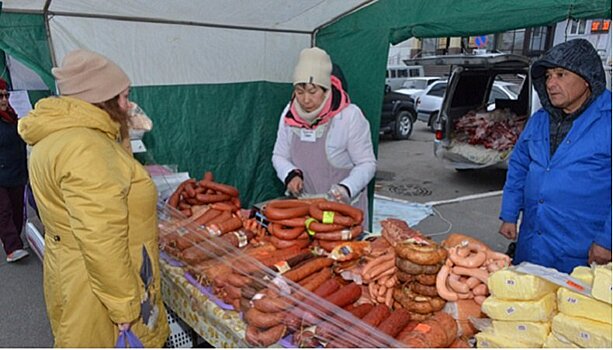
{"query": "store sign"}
{"type": "Point", "coordinates": [601, 26]}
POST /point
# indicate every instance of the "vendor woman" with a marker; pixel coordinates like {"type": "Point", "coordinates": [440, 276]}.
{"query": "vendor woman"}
{"type": "Point", "coordinates": [324, 143]}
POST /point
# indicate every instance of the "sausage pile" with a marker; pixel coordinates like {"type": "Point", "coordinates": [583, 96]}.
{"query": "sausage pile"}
{"type": "Point", "coordinates": [306, 275]}
{"type": "Point", "coordinates": [465, 273]}
{"type": "Point", "coordinates": [325, 223]}
{"type": "Point", "coordinates": [418, 260]}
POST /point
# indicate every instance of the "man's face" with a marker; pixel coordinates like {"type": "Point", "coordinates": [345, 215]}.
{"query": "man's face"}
{"type": "Point", "coordinates": [566, 90]}
{"type": "Point", "coordinates": [4, 100]}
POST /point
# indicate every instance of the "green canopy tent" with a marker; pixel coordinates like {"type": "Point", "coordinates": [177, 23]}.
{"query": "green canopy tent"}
{"type": "Point", "coordinates": [215, 75]}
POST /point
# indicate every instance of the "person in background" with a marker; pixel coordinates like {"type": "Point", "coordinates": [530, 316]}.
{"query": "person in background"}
{"type": "Point", "coordinates": [13, 179]}
{"type": "Point", "coordinates": [98, 206]}
{"type": "Point", "coordinates": [323, 141]}
{"type": "Point", "coordinates": [559, 174]}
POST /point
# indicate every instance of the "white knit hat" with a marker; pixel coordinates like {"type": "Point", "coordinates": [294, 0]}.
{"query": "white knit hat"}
{"type": "Point", "coordinates": [314, 67]}
{"type": "Point", "coordinates": [90, 77]}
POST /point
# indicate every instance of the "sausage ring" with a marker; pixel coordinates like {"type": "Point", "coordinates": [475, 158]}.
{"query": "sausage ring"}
{"type": "Point", "coordinates": [418, 303]}
{"type": "Point", "coordinates": [423, 252]}
{"type": "Point", "coordinates": [342, 235]}
{"type": "Point", "coordinates": [418, 288]}
{"type": "Point", "coordinates": [426, 279]}
{"type": "Point", "coordinates": [286, 209]}
{"type": "Point", "coordinates": [349, 216]}
{"type": "Point", "coordinates": [416, 269]}
{"type": "Point", "coordinates": [287, 234]}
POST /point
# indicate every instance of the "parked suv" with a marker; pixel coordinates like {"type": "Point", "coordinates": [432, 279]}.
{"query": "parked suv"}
{"type": "Point", "coordinates": [481, 118]}
{"type": "Point", "coordinates": [397, 115]}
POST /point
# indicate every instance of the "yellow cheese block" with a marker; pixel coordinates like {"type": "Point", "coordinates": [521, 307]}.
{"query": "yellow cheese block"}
{"type": "Point", "coordinates": [532, 334]}
{"type": "Point", "coordinates": [489, 339]}
{"type": "Point", "coordinates": [575, 304]}
{"type": "Point", "coordinates": [582, 331]}
{"type": "Point", "coordinates": [583, 274]}
{"type": "Point", "coordinates": [555, 341]}
{"type": "Point", "coordinates": [541, 310]}
{"type": "Point", "coordinates": [508, 284]}
{"type": "Point", "coordinates": [601, 288]}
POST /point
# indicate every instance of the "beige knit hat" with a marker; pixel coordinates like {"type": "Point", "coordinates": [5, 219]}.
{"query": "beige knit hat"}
{"type": "Point", "coordinates": [90, 77]}
{"type": "Point", "coordinates": [314, 67]}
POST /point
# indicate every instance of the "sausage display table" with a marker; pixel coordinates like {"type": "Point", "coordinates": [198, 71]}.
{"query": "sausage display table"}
{"type": "Point", "coordinates": [220, 328]}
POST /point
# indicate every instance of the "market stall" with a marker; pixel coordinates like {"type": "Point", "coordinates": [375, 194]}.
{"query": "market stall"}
{"type": "Point", "coordinates": [294, 273]}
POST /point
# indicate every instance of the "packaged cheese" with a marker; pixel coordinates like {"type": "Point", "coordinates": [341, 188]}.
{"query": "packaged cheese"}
{"type": "Point", "coordinates": [601, 288]}
{"type": "Point", "coordinates": [583, 274]}
{"type": "Point", "coordinates": [555, 341]}
{"type": "Point", "coordinates": [520, 310]}
{"type": "Point", "coordinates": [530, 333]}
{"type": "Point", "coordinates": [509, 284]}
{"type": "Point", "coordinates": [575, 304]}
{"type": "Point", "coordinates": [582, 331]}
{"type": "Point", "coordinates": [488, 339]}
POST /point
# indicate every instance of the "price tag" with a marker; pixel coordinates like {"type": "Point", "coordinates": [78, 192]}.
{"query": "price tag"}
{"type": "Point", "coordinates": [242, 238]}
{"type": "Point", "coordinates": [307, 135]}
{"type": "Point", "coordinates": [307, 223]}
{"type": "Point", "coordinates": [328, 217]}
{"type": "Point", "coordinates": [282, 266]}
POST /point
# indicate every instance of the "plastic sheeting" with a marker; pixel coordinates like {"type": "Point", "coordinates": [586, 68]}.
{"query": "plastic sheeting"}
{"type": "Point", "coordinates": [411, 213]}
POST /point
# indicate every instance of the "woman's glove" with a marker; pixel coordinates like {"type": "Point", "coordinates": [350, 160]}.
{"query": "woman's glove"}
{"type": "Point", "coordinates": [339, 193]}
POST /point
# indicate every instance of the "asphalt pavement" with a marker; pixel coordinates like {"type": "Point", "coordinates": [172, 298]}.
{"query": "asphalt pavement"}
{"type": "Point", "coordinates": [466, 202]}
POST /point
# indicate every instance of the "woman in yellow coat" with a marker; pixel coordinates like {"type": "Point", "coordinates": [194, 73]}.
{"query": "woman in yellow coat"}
{"type": "Point", "coordinates": [98, 206]}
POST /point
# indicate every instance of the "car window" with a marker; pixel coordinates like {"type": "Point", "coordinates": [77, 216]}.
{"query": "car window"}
{"type": "Point", "coordinates": [497, 93]}
{"type": "Point", "coordinates": [438, 90]}
{"type": "Point", "coordinates": [414, 84]}
{"type": "Point", "coordinates": [515, 88]}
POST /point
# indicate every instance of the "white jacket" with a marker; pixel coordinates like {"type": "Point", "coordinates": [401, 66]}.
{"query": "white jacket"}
{"type": "Point", "coordinates": [348, 146]}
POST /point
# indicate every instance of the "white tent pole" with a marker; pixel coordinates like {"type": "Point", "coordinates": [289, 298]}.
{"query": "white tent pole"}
{"type": "Point", "coordinates": [186, 23]}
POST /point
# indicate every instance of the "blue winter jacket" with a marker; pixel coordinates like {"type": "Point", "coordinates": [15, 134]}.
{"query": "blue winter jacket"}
{"type": "Point", "coordinates": [565, 198]}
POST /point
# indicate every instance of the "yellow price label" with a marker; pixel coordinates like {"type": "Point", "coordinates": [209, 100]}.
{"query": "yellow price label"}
{"type": "Point", "coordinates": [307, 223]}
{"type": "Point", "coordinates": [328, 217]}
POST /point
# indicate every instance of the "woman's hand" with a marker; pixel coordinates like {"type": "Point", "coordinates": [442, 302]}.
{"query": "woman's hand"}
{"type": "Point", "coordinates": [295, 186]}
{"type": "Point", "coordinates": [508, 230]}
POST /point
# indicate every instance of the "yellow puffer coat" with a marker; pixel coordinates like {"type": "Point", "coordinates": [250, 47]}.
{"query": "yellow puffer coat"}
{"type": "Point", "coordinates": [98, 206]}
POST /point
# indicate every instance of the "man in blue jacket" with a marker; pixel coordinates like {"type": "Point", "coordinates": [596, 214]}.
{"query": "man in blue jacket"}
{"type": "Point", "coordinates": [559, 174]}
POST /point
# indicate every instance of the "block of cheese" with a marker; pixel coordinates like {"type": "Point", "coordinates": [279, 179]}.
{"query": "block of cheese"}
{"type": "Point", "coordinates": [530, 333]}
{"type": "Point", "coordinates": [582, 331]}
{"type": "Point", "coordinates": [602, 288]}
{"type": "Point", "coordinates": [583, 274]}
{"type": "Point", "coordinates": [509, 284]}
{"type": "Point", "coordinates": [555, 341]}
{"type": "Point", "coordinates": [540, 310]}
{"type": "Point", "coordinates": [488, 339]}
{"type": "Point", "coordinates": [575, 304]}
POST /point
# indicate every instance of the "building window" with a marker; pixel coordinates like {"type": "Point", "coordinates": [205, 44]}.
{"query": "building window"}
{"type": "Point", "coordinates": [511, 41]}
{"type": "Point", "coordinates": [576, 27]}
{"type": "Point", "coordinates": [600, 26]}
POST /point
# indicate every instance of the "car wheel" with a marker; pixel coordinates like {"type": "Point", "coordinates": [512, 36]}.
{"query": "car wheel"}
{"type": "Point", "coordinates": [404, 125]}
{"type": "Point", "coordinates": [431, 120]}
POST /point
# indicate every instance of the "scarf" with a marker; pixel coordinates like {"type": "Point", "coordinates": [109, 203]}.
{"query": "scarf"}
{"type": "Point", "coordinates": [332, 106]}
{"type": "Point", "coordinates": [8, 116]}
